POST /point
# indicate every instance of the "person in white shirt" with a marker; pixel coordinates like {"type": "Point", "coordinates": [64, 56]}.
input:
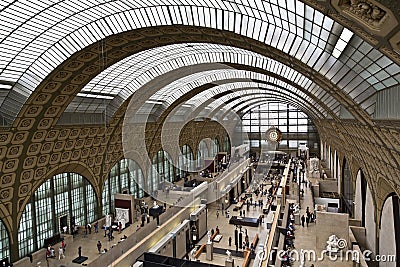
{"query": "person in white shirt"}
{"type": "Point", "coordinates": [60, 253]}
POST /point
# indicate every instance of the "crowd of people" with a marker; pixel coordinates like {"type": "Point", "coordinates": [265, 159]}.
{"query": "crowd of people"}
{"type": "Point", "coordinates": [51, 252]}
{"type": "Point", "coordinates": [289, 237]}
{"type": "Point", "coordinates": [309, 218]}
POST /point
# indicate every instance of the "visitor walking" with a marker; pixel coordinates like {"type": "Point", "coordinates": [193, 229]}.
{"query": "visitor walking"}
{"type": "Point", "coordinates": [63, 245]}
{"type": "Point", "coordinates": [119, 227]}
{"type": "Point", "coordinates": [303, 220]}
{"type": "Point", "coordinates": [99, 246]}
{"type": "Point", "coordinates": [60, 253]}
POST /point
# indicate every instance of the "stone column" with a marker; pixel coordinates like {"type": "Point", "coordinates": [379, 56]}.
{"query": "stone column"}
{"type": "Point", "coordinates": [209, 248]}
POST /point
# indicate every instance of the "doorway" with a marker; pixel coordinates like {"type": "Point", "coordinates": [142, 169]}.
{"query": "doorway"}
{"type": "Point", "coordinates": [63, 223]}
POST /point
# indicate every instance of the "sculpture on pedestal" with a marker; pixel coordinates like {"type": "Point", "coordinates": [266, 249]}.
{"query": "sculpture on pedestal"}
{"type": "Point", "coordinates": [229, 255]}
{"type": "Point", "coordinates": [209, 236]}
{"type": "Point", "coordinates": [108, 220]}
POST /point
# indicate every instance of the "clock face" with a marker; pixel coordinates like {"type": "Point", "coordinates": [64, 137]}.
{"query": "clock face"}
{"type": "Point", "coordinates": [274, 135]}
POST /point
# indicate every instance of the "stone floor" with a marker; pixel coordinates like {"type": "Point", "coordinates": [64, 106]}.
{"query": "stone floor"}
{"type": "Point", "coordinates": [89, 248]}
{"type": "Point", "coordinates": [306, 237]}
{"type": "Point", "coordinates": [227, 230]}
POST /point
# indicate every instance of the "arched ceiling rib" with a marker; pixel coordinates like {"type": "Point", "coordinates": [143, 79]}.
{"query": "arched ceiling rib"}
{"type": "Point", "coordinates": [257, 102]}
{"type": "Point", "coordinates": [221, 113]}
{"type": "Point", "coordinates": [35, 40]}
{"type": "Point", "coordinates": [215, 103]}
{"type": "Point", "coordinates": [237, 104]}
{"type": "Point", "coordinates": [252, 104]}
{"type": "Point", "coordinates": [224, 80]}
{"type": "Point", "coordinates": [275, 86]}
{"type": "Point", "coordinates": [128, 75]}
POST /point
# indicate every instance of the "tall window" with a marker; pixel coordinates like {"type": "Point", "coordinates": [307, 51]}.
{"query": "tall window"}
{"type": "Point", "coordinates": [77, 193]}
{"type": "Point", "coordinates": [161, 169]}
{"type": "Point", "coordinates": [44, 218]}
{"type": "Point", "coordinates": [65, 194]}
{"type": "Point", "coordinates": [185, 161]}
{"type": "Point", "coordinates": [4, 242]}
{"type": "Point", "coordinates": [126, 175]}
{"type": "Point", "coordinates": [215, 147]}
{"type": "Point", "coordinates": [227, 145]}
{"type": "Point", "coordinates": [202, 153]}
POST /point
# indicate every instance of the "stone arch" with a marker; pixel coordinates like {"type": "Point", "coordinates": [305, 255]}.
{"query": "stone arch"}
{"type": "Point", "coordinates": [360, 197]}
{"type": "Point", "coordinates": [381, 192]}
{"type": "Point", "coordinates": [370, 219]}
{"type": "Point", "coordinates": [389, 234]}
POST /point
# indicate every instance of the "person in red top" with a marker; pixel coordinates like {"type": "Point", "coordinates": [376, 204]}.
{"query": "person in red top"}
{"type": "Point", "coordinates": [119, 227]}
{"type": "Point", "coordinates": [63, 245]}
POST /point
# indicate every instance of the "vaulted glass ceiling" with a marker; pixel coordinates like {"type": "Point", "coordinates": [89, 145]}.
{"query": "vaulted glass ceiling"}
{"type": "Point", "coordinates": [37, 36]}
{"type": "Point", "coordinates": [217, 96]}
{"type": "Point", "coordinates": [127, 76]}
{"type": "Point", "coordinates": [242, 79]}
{"type": "Point", "coordinates": [221, 107]}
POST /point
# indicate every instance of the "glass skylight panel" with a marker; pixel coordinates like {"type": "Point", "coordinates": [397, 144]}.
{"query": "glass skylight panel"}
{"type": "Point", "coordinates": [94, 96]}
{"type": "Point", "coordinates": [341, 44]}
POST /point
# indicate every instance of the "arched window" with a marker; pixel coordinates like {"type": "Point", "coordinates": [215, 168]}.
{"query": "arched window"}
{"type": "Point", "coordinates": [125, 176]}
{"type": "Point", "coordinates": [185, 161]}
{"type": "Point", "coordinates": [215, 147]}
{"type": "Point", "coordinates": [4, 242]}
{"type": "Point", "coordinates": [202, 153]}
{"type": "Point", "coordinates": [162, 169]}
{"type": "Point", "coordinates": [135, 178]}
{"type": "Point", "coordinates": [67, 196]}
{"type": "Point", "coordinates": [227, 145]}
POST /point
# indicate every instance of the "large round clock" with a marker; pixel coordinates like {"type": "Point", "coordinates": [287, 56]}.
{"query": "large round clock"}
{"type": "Point", "coordinates": [273, 135]}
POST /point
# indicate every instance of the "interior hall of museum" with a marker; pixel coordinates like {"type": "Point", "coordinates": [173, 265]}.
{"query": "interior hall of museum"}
{"type": "Point", "coordinates": [199, 133]}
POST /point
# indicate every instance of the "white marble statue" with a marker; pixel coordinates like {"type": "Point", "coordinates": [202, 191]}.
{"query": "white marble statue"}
{"type": "Point", "coordinates": [192, 254]}
{"type": "Point", "coordinates": [229, 255]}
{"type": "Point", "coordinates": [108, 220]}
{"type": "Point", "coordinates": [314, 164]}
